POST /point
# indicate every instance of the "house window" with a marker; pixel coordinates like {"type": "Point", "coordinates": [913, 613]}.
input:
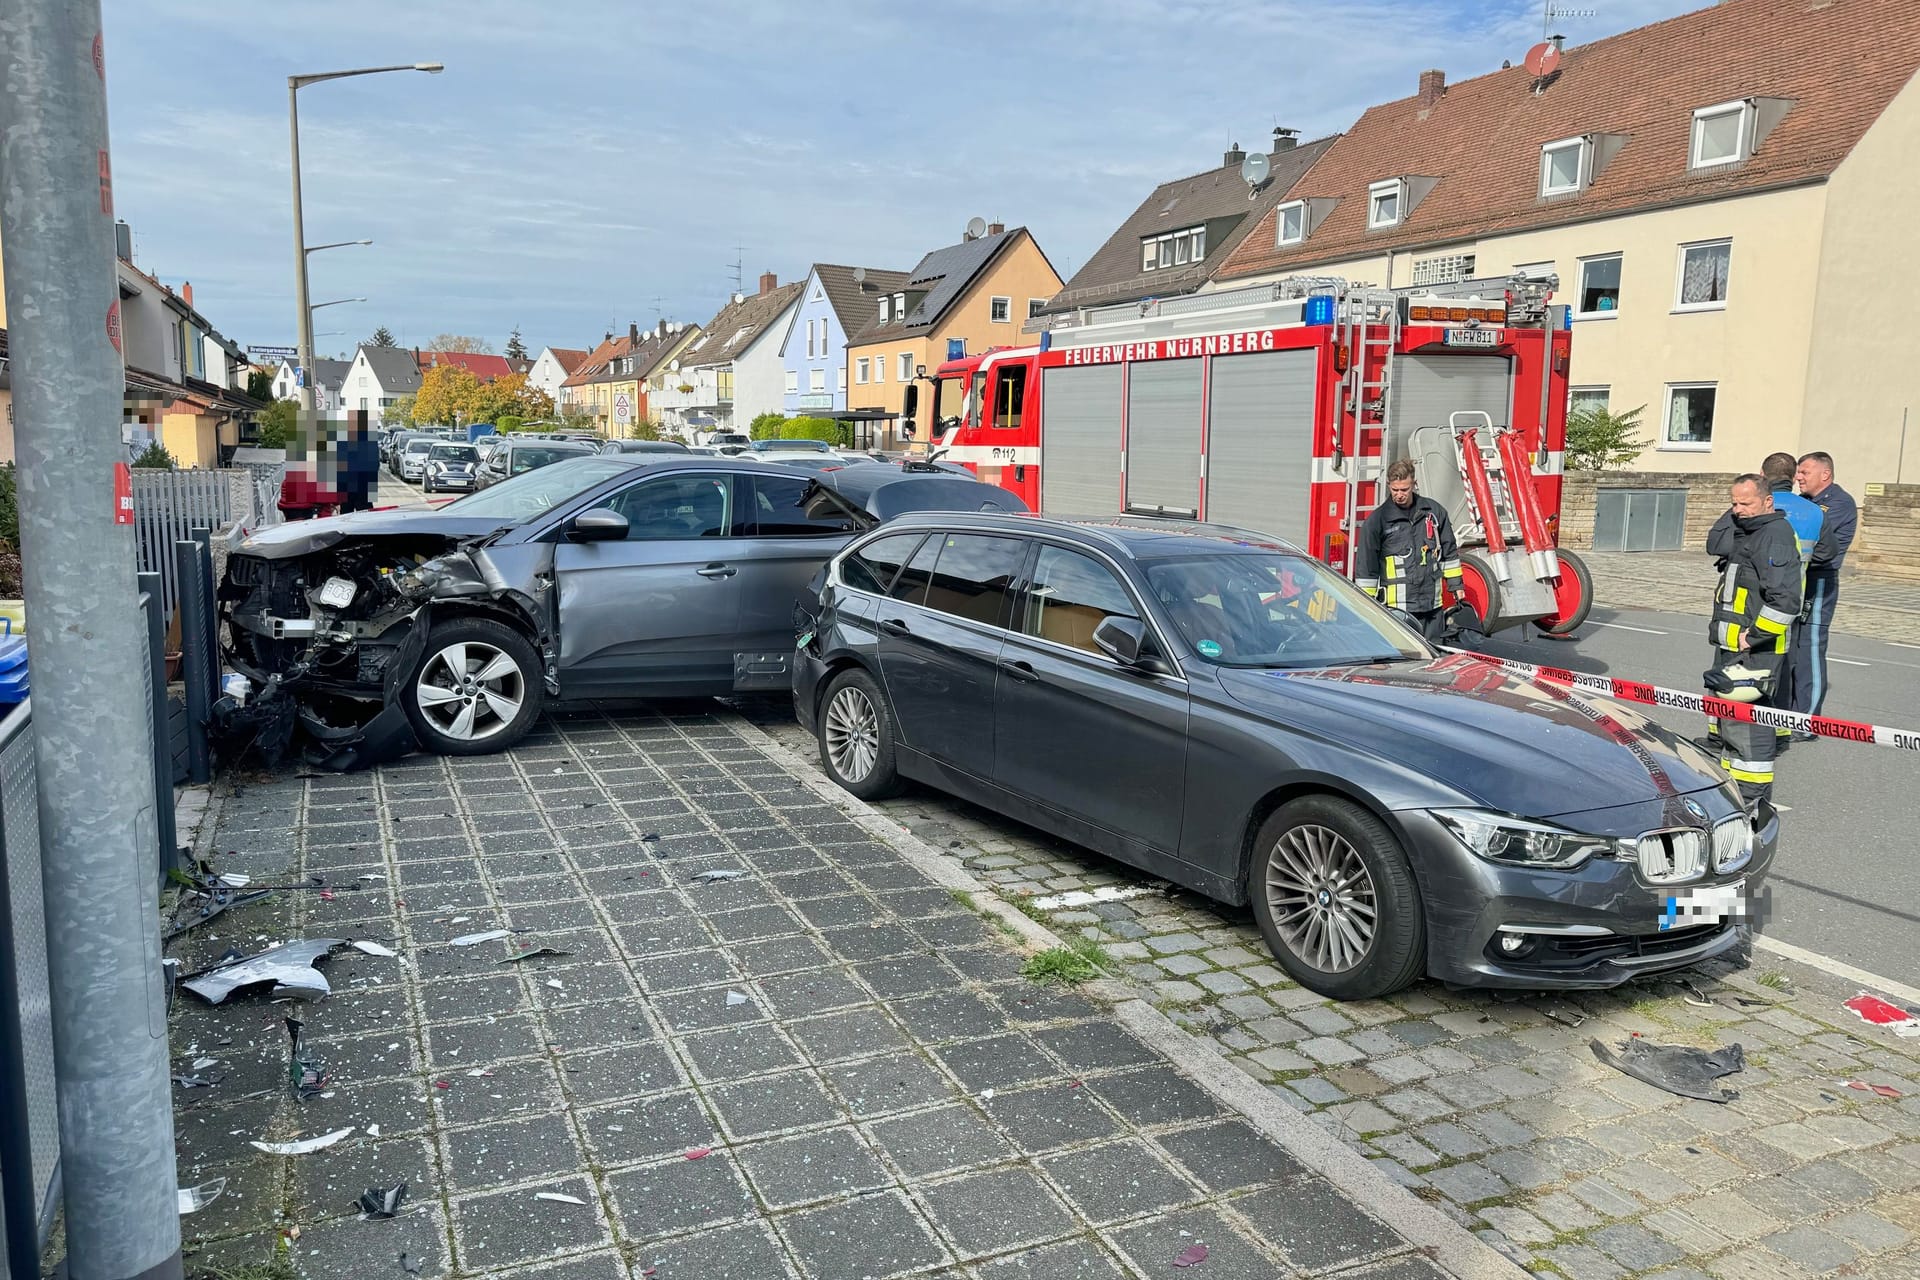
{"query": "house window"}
{"type": "Point", "coordinates": [1002, 310]}
{"type": "Point", "coordinates": [1149, 255]}
{"type": "Point", "coordinates": [1173, 249]}
{"type": "Point", "coordinates": [1582, 399]}
{"type": "Point", "coordinates": [860, 371]}
{"type": "Point", "coordinates": [793, 382]}
{"type": "Point", "coordinates": [1703, 276]}
{"type": "Point", "coordinates": [1383, 204]}
{"type": "Point", "coordinates": [1689, 415]}
{"type": "Point", "coordinates": [906, 366]}
{"type": "Point", "coordinates": [363, 402]}
{"type": "Point", "coordinates": [386, 402]}
{"type": "Point", "coordinates": [879, 368]}
{"type": "Point", "coordinates": [816, 380]}
{"type": "Point", "coordinates": [1564, 166]}
{"type": "Point", "coordinates": [1035, 306]}
{"type": "Point", "coordinates": [1720, 134]}
{"type": "Point", "coordinates": [885, 310]}
{"type": "Point", "coordinates": [1290, 222]}
{"type": "Point", "coordinates": [1599, 286]}
{"type": "Point", "coordinates": [900, 307]}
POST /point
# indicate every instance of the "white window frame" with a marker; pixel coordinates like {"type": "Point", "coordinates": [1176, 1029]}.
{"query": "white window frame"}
{"type": "Point", "coordinates": [1666, 419]}
{"type": "Point", "coordinates": [1742, 147]}
{"type": "Point", "coordinates": [1199, 237]}
{"type": "Point", "coordinates": [860, 371]}
{"type": "Point", "coordinates": [900, 308]}
{"type": "Point", "coordinates": [1150, 254]}
{"type": "Point", "coordinates": [1680, 275]}
{"type": "Point", "coordinates": [793, 382]}
{"type": "Point", "coordinates": [879, 369]}
{"type": "Point", "coordinates": [1395, 187]}
{"type": "Point", "coordinates": [1000, 309]}
{"type": "Point", "coordinates": [1602, 391]}
{"type": "Point", "coordinates": [816, 379]}
{"type": "Point", "coordinates": [1582, 167]}
{"type": "Point", "coordinates": [1035, 306]}
{"type": "Point", "coordinates": [886, 308]}
{"type": "Point", "coordinates": [1580, 285]}
{"type": "Point", "coordinates": [906, 366]}
{"type": "Point", "coordinates": [1280, 236]}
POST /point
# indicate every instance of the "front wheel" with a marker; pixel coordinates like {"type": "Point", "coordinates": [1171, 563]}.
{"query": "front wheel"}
{"type": "Point", "coordinates": [1336, 900]}
{"type": "Point", "coordinates": [1572, 597]}
{"type": "Point", "coordinates": [856, 736]}
{"type": "Point", "coordinates": [478, 690]}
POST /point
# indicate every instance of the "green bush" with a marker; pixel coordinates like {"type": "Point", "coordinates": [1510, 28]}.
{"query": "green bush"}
{"type": "Point", "coordinates": [768, 426]}
{"type": "Point", "coordinates": [277, 424]}
{"type": "Point", "coordinates": [834, 433]}
{"type": "Point", "coordinates": [509, 422]}
{"type": "Point", "coordinates": [1598, 439]}
{"type": "Point", "coordinates": [9, 507]}
{"type": "Point", "coordinates": [155, 455]}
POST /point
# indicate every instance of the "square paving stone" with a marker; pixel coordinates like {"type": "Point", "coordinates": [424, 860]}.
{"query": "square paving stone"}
{"type": "Point", "coordinates": [839, 910]}
{"type": "Point", "coordinates": [616, 1074]}
{"type": "Point", "coordinates": [872, 942]}
{"type": "Point", "coordinates": [609, 1265]}
{"type": "Point", "coordinates": [1027, 1003]}
{"type": "Point", "coordinates": [813, 1166]}
{"type": "Point", "coordinates": [1050, 1117]}
{"type": "Point", "coordinates": [746, 1252]}
{"type": "Point", "coordinates": [652, 938]}
{"type": "Point", "coordinates": [931, 1142]}
{"type": "Point", "coordinates": [779, 955]}
{"type": "Point", "coordinates": [1095, 1046]}
{"type": "Point", "coordinates": [1813, 1249]}
{"type": "Point", "coordinates": [795, 995]}
{"type": "Point", "coordinates": [679, 1195]}
{"type": "Point", "coordinates": [1230, 1256]}
{"type": "Point", "coordinates": [1156, 1095]}
{"type": "Point", "coordinates": [515, 1088]}
{"type": "Point", "coordinates": [685, 969]}
{"type": "Point", "coordinates": [877, 1086]}
{"type": "Point", "coordinates": [636, 905]}
{"type": "Point", "coordinates": [328, 1183]}
{"type": "Point", "coordinates": [503, 1227]}
{"type": "Point", "coordinates": [495, 1155]}
{"type": "Point", "coordinates": [985, 964]}
{"type": "Point", "coordinates": [773, 861]}
{"type": "Point", "coordinates": [948, 933]}
{"type": "Point", "coordinates": [397, 1106]}
{"type": "Point", "coordinates": [753, 1108]}
{"type": "Point", "coordinates": [1119, 1180]}
{"type": "Point", "coordinates": [870, 1236]}
{"type": "Point", "coordinates": [753, 923]}
{"type": "Point", "coordinates": [1315, 1225]}
{"type": "Point", "coordinates": [1231, 1155]}
{"type": "Point", "coordinates": [709, 1007]}
{"type": "Point", "coordinates": [957, 1015]}
{"type": "Point", "coordinates": [904, 976]}
{"type": "Point", "coordinates": [997, 1063]}
{"type": "Point", "coordinates": [348, 1249]}
{"type": "Point", "coordinates": [592, 1026]}
{"type": "Point", "coordinates": [473, 998]}
{"type": "Point", "coordinates": [853, 1033]}
{"type": "Point", "coordinates": [670, 1124]}
{"type": "Point", "coordinates": [1074, 1260]}
{"type": "Point", "coordinates": [739, 1052]}
{"type": "Point", "coordinates": [989, 1212]}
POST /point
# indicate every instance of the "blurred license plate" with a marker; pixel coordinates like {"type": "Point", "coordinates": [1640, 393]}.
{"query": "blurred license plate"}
{"type": "Point", "coordinates": [1473, 337]}
{"type": "Point", "coordinates": [1703, 904]}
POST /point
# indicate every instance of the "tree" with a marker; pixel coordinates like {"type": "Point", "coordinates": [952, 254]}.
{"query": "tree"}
{"type": "Point", "coordinates": [646, 429]}
{"type": "Point", "coordinates": [835, 433]}
{"type": "Point", "coordinates": [508, 423]}
{"type": "Point", "coordinates": [278, 423]}
{"type": "Point", "coordinates": [767, 426]}
{"type": "Point", "coordinates": [1598, 439]}
{"type": "Point", "coordinates": [155, 455]}
{"type": "Point", "coordinates": [382, 337]}
{"type": "Point", "coordinates": [446, 391]}
{"type": "Point", "coordinates": [510, 396]}
{"type": "Point", "coordinates": [516, 349]}
{"type": "Point", "coordinates": [461, 342]}
{"type": "Point", "coordinates": [401, 410]}
{"type": "Point", "coordinates": [259, 385]}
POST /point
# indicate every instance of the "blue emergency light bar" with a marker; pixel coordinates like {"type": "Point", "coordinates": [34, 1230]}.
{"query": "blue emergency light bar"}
{"type": "Point", "coordinates": [956, 348]}
{"type": "Point", "coordinates": [1318, 309]}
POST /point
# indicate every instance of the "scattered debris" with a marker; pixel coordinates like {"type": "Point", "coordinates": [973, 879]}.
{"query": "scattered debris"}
{"type": "Point", "coordinates": [410, 1264]}
{"type": "Point", "coordinates": [1191, 1256]}
{"type": "Point", "coordinates": [1884, 1090]}
{"type": "Point", "coordinates": [373, 1131]}
{"type": "Point", "coordinates": [307, 1075]}
{"type": "Point", "coordinates": [288, 966]}
{"type": "Point", "coordinates": [1879, 1013]}
{"type": "Point", "coordinates": [304, 1145]}
{"type": "Point", "coordinates": [201, 1064]}
{"type": "Point", "coordinates": [199, 1082]}
{"type": "Point", "coordinates": [481, 1071]}
{"type": "Point", "coordinates": [699, 1153]}
{"type": "Point", "coordinates": [1087, 898]}
{"type": "Point", "coordinates": [475, 939]}
{"type": "Point", "coordinates": [986, 1095]}
{"type": "Point", "coordinates": [382, 1202]}
{"type": "Point", "coordinates": [194, 1199]}
{"type": "Point", "coordinates": [234, 879]}
{"type": "Point", "coordinates": [558, 1197]}
{"type": "Point", "coordinates": [1678, 1069]}
{"type": "Point", "coordinates": [734, 998]}
{"type": "Point", "coordinates": [1563, 1013]}
{"type": "Point", "coordinates": [529, 948]}
{"type": "Point", "coordinates": [555, 984]}
{"type": "Point", "coordinates": [708, 877]}
{"type": "Point", "coordinates": [1690, 992]}
{"type": "Point", "coordinates": [374, 948]}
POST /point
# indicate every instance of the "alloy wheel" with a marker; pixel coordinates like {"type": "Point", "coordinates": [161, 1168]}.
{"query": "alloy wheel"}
{"type": "Point", "coordinates": [1322, 898]}
{"type": "Point", "coordinates": [853, 734]}
{"type": "Point", "coordinates": [470, 690]}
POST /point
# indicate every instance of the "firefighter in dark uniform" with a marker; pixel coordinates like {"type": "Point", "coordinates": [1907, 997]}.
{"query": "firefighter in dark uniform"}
{"type": "Point", "coordinates": [1754, 611]}
{"type": "Point", "coordinates": [1406, 550]}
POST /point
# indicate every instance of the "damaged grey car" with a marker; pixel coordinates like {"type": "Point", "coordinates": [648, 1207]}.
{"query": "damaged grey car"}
{"type": "Point", "coordinates": [607, 576]}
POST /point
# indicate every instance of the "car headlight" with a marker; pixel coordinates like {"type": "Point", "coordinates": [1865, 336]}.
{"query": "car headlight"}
{"type": "Point", "coordinates": [1520, 842]}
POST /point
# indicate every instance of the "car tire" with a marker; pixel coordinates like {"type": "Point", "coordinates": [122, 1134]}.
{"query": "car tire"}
{"type": "Point", "coordinates": [466, 714]}
{"type": "Point", "coordinates": [855, 731]}
{"type": "Point", "coordinates": [1301, 855]}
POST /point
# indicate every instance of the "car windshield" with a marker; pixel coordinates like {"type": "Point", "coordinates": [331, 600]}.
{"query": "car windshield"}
{"type": "Point", "coordinates": [452, 453]}
{"type": "Point", "coordinates": [419, 444]}
{"type": "Point", "coordinates": [530, 458]}
{"type": "Point", "coordinates": [795, 446]}
{"type": "Point", "coordinates": [527, 495]}
{"type": "Point", "coordinates": [1256, 610]}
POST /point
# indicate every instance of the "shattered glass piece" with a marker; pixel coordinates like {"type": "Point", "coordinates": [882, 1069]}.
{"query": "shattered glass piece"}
{"type": "Point", "coordinates": [1679, 1069]}
{"type": "Point", "coordinates": [289, 966]}
{"type": "Point", "coordinates": [304, 1145]}
{"type": "Point", "coordinates": [527, 949]}
{"type": "Point", "coordinates": [199, 1082]}
{"type": "Point", "coordinates": [306, 1074]}
{"type": "Point", "coordinates": [1191, 1256]}
{"type": "Point", "coordinates": [374, 948]}
{"type": "Point", "coordinates": [735, 999]}
{"type": "Point", "coordinates": [558, 1197]}
{"type": "Point", "coordinates": [708, 877]}
{"type": "Point", "coordinates": [235, 879]}
{"type": "Point", "coordinates": [475, 939]}
{"type": "Point", "coordinates": [382, 1202]}
{"type": "Point", "coordinates": [194, 1199]}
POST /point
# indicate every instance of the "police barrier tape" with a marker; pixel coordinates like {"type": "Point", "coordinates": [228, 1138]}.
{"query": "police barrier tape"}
{"type": "Point", "coordinates": [1655, 696]}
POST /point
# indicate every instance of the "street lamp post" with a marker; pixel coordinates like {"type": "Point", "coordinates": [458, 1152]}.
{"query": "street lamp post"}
{"type": "Point", "coordinates": [302, 312]}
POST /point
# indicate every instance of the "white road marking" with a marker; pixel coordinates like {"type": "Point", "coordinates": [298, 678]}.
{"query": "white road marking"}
{"type": "Point", "coordinates": [1082, 898]}
{"type": "Point", "coordinates": [1851, 662]}
{"type": "Point", "coordinates": [1901, 644]}
{"type": "Point", "coordinates": [1621, 626]}
{"type": "Point", "coordinates": [1813, 959]}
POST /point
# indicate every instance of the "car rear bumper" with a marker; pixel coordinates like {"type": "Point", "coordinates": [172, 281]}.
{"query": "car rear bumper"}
{"type": "Point", "coordinates": [809, 673]}
{"type": "Point", "coordinates": [1597, 926]}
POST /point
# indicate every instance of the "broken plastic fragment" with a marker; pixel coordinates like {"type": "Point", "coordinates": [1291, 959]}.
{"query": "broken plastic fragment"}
{"type": "Point", "coordinates": [373, 1131]}
{"type": "Point", "coordinates": [382, 1202]}
{"type": "Point", "coordinates": [708, 877]}
{"type": "Point", "coordinates": [410, 1264]}
{"type": "Point", "coordinates": [304, 1145]}
{"type": "Point", "coordinates": [1678, 1069]}
{"type": "Point", "coordinates": [198, 1082]}
{"type": "Point", "coordinates": [474, 939]}
{"type": "Point", "coordinates": [558, 1197]}
{"type": "Point", "coordinates": [699, 1153]}
{"type": "Point", "coordinates": [374, 948]}
{"type": "Point", "coordinates": [528, 948]}
{"type": "Point", "coordinates": [235, 879]}
{"type": "Point", "coordinates": [289, 967]}
{"type": "Point", "coordinates": [1879, 1013]}
{"type": "Point", "coordinates": [306, 1074]}
{"type": "Point", "coordinates": [734, 998]}
{"type": "Point", "coordinates": [986, 1095]}
{"type": "Point", "coordinates": [1191, 1256]}
{"type": "Point", "coordinates": [1884, 1090]}
{"type": "Point", "coordinates": [193, 1199]}
{"type": "Point", "coordinates": [201, 1064]}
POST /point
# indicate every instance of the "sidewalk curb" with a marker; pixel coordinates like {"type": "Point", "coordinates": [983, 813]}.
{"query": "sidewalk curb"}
{"type": "Point", "coordinates": [1442, 1239]}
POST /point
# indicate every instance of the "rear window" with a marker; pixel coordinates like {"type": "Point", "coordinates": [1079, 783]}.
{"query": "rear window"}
{"type": "Point", "coordinates": [528, 459]}
{"type": "Point", "coordinates": [973, 577]}
{"type": "Point", "coordinates": [781, 510]}
{"type": "Point", "coordinates": [875, 566]}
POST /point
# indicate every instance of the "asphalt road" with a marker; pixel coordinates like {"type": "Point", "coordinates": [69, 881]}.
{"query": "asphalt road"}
{"type": "Point", "coordinates": [1846, 883]}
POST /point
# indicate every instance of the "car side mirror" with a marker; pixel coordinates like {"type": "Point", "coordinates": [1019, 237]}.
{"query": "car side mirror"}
{"type": "Point", "coordinates": [599, 524]}
{"type": "Point", "coordinates": [1121, 639]}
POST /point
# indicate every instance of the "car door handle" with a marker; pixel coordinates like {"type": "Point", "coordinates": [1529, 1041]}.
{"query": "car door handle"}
{"type": "Point", "coordinates": [1019, 670]}
{"type": "Point", "coordinates": [894, 627]}
{"type": "Point", "coordinates": [717, 571]}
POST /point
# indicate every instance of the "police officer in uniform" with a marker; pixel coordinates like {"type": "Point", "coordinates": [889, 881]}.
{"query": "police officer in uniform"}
{"type": "Point", "coordinates": [1754, 611]}
{"type": "Point", "coordinates": [1840, 518]}
{"type": "Point", "coordinates": [1405, 550]}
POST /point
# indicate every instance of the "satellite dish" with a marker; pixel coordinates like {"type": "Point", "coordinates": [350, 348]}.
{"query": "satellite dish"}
{"type": "Point", "coordinates": [673, 366]}
{"type": "Point", "coordinates": [976, 227]}
{"type": "Point", "coordinates": [1255, 168]}
{"type": "Point", "coordinates": [1542, 60]}
{"type": "Point", "coordinates": [859, 275]}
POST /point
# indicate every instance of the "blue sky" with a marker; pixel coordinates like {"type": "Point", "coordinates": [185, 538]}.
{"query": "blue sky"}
{"type": "Point", "coordinates": [584, 165]}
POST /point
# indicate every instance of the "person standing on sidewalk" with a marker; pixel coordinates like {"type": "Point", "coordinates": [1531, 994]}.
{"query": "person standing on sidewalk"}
{"type": "Point", "coordinates": [1840, 518]}
{"type": "Point", "coordinates": [1805, 517]}
{"type": "Point", "coordinates": [1754, 610]}
{"type": "Point", "coordinates": [1406, 549]}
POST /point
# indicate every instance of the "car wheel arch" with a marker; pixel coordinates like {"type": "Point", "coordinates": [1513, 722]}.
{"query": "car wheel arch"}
{"type": "Point", "coordinates": [836, 665]}
{"type": "Point", "coordinates": [1298, 788]}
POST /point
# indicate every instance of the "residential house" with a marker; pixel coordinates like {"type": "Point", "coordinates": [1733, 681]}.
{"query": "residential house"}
{"type": "Point", "coordinates": [738, 353]}
{"type": "Point", "coordinates": [327, 377]}
{"type": "Point", "coordinates": [377, 377]}
{"type": "Point", "coordinates": [585, 399]}
{"type": "Point", "coordinates": [1729, 233]}
{"type": "Point", "coordinates": [552, 367]}
{"type": "Point", "coordinates": [977, 293]}
{"type": "Point", "coordinates": [609, 391]}
{"type": "Point", "coordinates": [835, 301]}
{"type": "Point", "coordinates": [482, 366]}
{"type": "Point", "coordinates": [1182, 233]}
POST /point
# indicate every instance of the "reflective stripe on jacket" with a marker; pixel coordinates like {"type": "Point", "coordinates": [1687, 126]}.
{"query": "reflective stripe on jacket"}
{"type": "Point", "coordinates": [1403, 553]}
{"type": "Point", "coordinates": [1760, 582]}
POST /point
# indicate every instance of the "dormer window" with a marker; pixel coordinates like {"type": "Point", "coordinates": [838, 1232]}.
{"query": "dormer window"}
{"type": "Point", "coordinates": [900, 307]}
{"type": "Point", "coordinates": [1290, 222]}
{"type": "Point", "coordinates": [886, 309]}
{"type": "Point", "coordinates": [1173, 249]}
{"type": "Point", "coordinates": [1384, 200]}
{"type": "Point", "coordinates": [1566, 166]}
{"type": "Point", "coordinates": [1722, 135]}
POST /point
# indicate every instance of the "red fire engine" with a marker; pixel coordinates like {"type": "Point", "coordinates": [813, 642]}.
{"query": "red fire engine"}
{"type": "Point", "coordinates": [1278, 408]}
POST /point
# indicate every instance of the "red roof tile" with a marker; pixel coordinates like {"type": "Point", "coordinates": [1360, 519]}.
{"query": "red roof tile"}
{"type": "Point", "coordinates": [486, 368]}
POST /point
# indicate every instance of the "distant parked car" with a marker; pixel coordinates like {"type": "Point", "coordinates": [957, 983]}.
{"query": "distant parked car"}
{"type": "Point", "coordinates": [413, 457]}
{"type": "Point", "coordinates": [517, 456]}
{"type": "Point", "coordinates": [729, 442]}
{"type": "Point", "coordinates": [789, 446]}
{"type": "Point", "coordinates": [646, 446]}
{"type": "Point", "coordinates": [450, 466]}
{"type": "Point", "coordinates": [811, 461]}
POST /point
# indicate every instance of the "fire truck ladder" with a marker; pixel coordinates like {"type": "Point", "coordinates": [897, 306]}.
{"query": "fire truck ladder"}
{"type": "Point", "coordinates": [1498, 475]}
{"type": "Point", "coordinates": [1366, 334]}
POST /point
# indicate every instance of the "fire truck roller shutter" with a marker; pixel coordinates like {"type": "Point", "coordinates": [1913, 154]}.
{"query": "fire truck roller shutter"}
{"type": "Point", "coordinates": [1427, 388]}
{"type": "Point", "coordinates": [1163, 438]}
{"type": "Point", "coordinates": [1260, 442]}
{"type": "Point", "coordinates": [1080, 443]}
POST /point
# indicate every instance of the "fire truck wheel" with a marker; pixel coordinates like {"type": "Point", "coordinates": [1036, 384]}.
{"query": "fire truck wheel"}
{"type": "Point", "coordinates": [1480, 589]}
{"type": "Point", "coordinates": [856, 736]}
{"type": "Point", "coordinates": [1572, 597]}
{"type": "Point", "coordinates": [1336, 900]}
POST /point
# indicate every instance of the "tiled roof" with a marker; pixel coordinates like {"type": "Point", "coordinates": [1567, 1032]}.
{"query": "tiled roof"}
{"type": "Point", "coordinates": [1113, 273]}
{"type": "Point", "coordinates": [737, 324]}
{"type": "Point", "coordinates": [330, 373]}
{"type": "Point", "coordinates": [1838, 63]}
{"type": "Point", "coordinates": [855, 303]}
{"type": "Point", "coordinates": [484, 367]}
{"type": "Point", "coordinates": [569, 357]}
{"type": "Point", "coordinates": [940, 278]}
{"type": "Point", "coordinates": [595, 361]}
{"type": "Point", "coordinates": [395, 367]}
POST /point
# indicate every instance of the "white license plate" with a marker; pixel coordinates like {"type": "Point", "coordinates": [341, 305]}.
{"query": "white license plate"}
{"type": "Point", "coordinates": [1703, 904]}
{"type": "Point", "coordinates": [1473, 338]}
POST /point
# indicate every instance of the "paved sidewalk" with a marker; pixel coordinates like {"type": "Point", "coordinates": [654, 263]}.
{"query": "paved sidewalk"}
{"type": "Point", "coordinates": [829, 1067]}
{"type": "Point", "coordinates": [1682, 582]}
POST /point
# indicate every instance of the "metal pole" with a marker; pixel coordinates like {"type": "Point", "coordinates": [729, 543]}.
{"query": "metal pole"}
{"type": "Point", "coordinates": [303, 316]}
{"type": "Point", "coordinates": [209, 618]}
{"type": "Point", "coordinates": [84, 637]}
{"type": "Point", "coordinates": [18, 1208]}
{"type": "Point", "coordinates": [190, 604]}
{"type": "Point", "coordinates": [156, 612]}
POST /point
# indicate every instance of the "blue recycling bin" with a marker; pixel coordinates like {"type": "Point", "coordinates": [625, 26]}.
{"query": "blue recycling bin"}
{"type": "Point", "coordinates": [13, 667]}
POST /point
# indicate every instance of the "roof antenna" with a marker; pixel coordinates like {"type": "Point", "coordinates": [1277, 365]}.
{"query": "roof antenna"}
{"type": "Point", "coordinates": [739, 258]}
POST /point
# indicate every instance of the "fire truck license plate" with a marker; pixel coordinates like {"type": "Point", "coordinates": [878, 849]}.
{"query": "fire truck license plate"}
{"type": "Point", "coordinates": [1473, 337]}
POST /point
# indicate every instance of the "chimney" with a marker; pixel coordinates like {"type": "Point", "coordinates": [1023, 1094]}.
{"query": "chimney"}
{"type": "Point", "coordinates": [1559, 43]}
{"type": "Point", "coordinates": [1234, 156]}
{"type": "Point", "coordinates": [996, 228]}
{"type": "Point", "coordinates": [660, 330]}
{"type": "Point", "coordinates": [768, 283]}
{"type": "Point", "coordinates": [1284, 139]}
{"type": "Point", "coordinates": [633, 335]}
{"type": "Point", "coordinates": [1432, 85]}
{"type": "Point", "coordinates": [123, 241]}
{"type": "Point", "coordinates": [186, 292]}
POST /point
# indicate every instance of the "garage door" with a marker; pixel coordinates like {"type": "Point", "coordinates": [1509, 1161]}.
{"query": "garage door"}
{"type": "Point", "coordinates": [1260, 442]}
{"type": "Point", "coordinates": [1080, 441]}
{"type": "Point", "coordinates": [1427, 388]}
{"type": "Point", "coordinates": [1163, 438]}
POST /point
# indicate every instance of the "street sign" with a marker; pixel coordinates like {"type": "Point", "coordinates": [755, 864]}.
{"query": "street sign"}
{"type": "Point", "coordinates": [300, 377]}
{"type": "Point", "coordinates": [622, 408]}
{"type": "Point", "coordinates": [265, 354]}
